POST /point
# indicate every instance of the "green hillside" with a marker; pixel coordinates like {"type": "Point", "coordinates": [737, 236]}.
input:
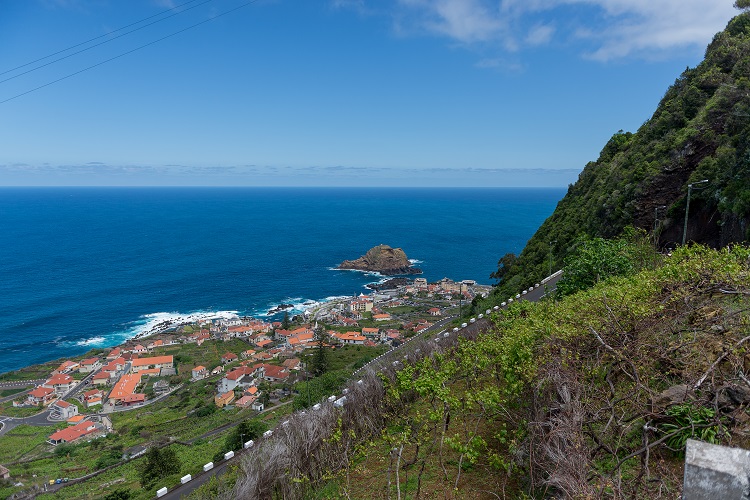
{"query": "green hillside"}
{"type": "Point", "coordinates": [700, 130]}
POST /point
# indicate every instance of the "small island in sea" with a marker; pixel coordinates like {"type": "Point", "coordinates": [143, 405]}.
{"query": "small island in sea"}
{"type": "Point", "coordinates": [384, 260]}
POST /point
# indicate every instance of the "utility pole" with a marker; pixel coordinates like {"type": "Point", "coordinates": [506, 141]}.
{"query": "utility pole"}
{"type": "Point", "coordinates": [687, 208]}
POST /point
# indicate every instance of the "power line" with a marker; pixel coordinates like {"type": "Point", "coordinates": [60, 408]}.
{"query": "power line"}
{"type": "Point", "coordinates": [96, 38]}
{"type": "Point", "coordinates": [100, 43]}
{"type": "Point", "coordinates": [129, 52]}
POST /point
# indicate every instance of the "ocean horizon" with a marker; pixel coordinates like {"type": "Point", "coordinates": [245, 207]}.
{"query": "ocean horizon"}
{"type": "Point", "coordinates": [91, 267]}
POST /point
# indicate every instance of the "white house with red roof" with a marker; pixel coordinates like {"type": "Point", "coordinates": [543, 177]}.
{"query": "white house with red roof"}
{"type": "Point", "coordinates": [114, 353]}
{"type": "Point", "coordinates": [354, 338]}
{"type": "Point", "coordinates": [199, 372]}
{"type": "Point", "coordinates": [60, 383]}
{"type": "Point", "coordinates": [73, 433]}
{"type": "Point", "coordinates": [272, 373]}
{"type": "Point", "coordinates": [103, 378]}
{"type": "Point", "coordinates": [67, 367]}
{"type": "Point", "coordinates": [41, 396]}
{"type": "Point", "coordinates": [434, 311]}
{"type": "Point", "coordinates": [229, 357]}
{"type": "Point", "coordinates": [89, 365]}
{"type": "Point", "coordinates": [155, 362]}
{"type": "Point", "coordinates": [139, 349]}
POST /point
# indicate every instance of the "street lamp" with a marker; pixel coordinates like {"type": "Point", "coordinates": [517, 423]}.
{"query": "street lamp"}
{"type": "Point", "coordinates": [687, 208]}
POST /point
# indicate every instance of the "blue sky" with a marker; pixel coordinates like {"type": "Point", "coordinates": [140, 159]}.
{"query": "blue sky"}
{"type": "Point", "coordinates": [335, 92]}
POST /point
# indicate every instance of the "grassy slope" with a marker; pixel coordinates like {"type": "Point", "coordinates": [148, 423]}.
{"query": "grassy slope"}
{"type": "Point", "coordinates": [562, 397]}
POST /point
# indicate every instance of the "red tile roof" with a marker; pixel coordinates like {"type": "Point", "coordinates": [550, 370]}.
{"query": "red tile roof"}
{"type": "Point", "coordinates": [72, 433]}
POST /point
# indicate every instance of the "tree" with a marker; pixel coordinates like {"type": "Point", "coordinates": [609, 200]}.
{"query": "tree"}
{"type": "Point", "coordinates": [285, 323]}
{"type": "Point", "coordinates": [246, 430]}
{"type": "Point", "coordinates": [503, 265]}
{"type": "Point", "coordinates": [596, 259]}
{"type": "Point", "coordinates": [320, 360]}
{"type": "Point", "coordinates": [159, 463]}
{"type": "Point", "coordinates": [742, 4]}
{"type": "Point", "coordinates": [118, 495]}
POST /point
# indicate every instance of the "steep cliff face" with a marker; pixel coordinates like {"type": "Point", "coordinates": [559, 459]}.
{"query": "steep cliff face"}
{"type": "Point", "coordinates": [384, 260]}
{"type": "Point", "coordinates": [700, 130]}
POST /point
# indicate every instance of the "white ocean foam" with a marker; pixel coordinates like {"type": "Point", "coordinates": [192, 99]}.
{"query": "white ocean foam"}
{"type": "Point", "coordinates": [366, 273]}
{"type": "Point", "coordinates": [150, 324]}
{"type": "Point", "coordinates": [93, 341]}
{"type": "Point", "coordinates": [415, 261]}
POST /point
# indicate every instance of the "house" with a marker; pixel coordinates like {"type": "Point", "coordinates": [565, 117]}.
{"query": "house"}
{"type": "Point", "coordinates": [139, 349]}
{"type": "Point", "coordinates": [90, 365]}
{"type": "Point", "coordinates": [263, 342]}
{"type": "Point", "coordinates": [93, 397]}
{"type": "Point", "coordinates": [4, 473]}
{"type": "Point", "coordinates": [300, 339]}
{"type": "Point", "coordinates": [41, 396]}
{"type": "Point", "coordinates": [239, 377]}
{"type": "Point", "coordinates": [134, 399]}
{"type": "Point", "coordinates": [200, 372]}
{"type": "Point", "coordinates": [66, 367]}
{"type": "Point", "coordinates": [103, 378]}
{"type": "Point", "coordinates": [257, 406]}
{"type": "Point", "coordinates": [114, 366]}
{"type": "Point", "coordinates": [114, 354]}
{"type": "Point", "coordinates": [363, 304]}
{"type": "Point", "coordinates": [252, 391]}
{"type": "Point", "coordinates": [156, 343]}
{"type": "Point", "coordinates": [239, 331]}
{"type": "Point", "coordinates": [272, 373]}
{"type": "Point", "coordinates": [224, 399]}
{"type": "Point", "coordinates": [435, 311]}
{"type": "Point", "coordinates": [93, 402]}
{"type": "Point", "coordinates": [229, 357]}
{"type": "Point", "coordinates": [245, 401]}
{"type": "Point", "coordinates": [371, 332]}
{"type": "Point", "coordinates": [349, 338]}
{"type": "Point", "coordinates": [60, 383]}
{"type": "Point", "coordinates": [160, 362]}
{"type": "Point", "coordinates": [62, 410]}
{"type": "Point", "coordinates": [247, 354]}
{"type": "Point", "coordinates": [124, 387]}
{"type": "Point", "coordinates": [292, 364]}
{"type": "Point", "coordinates": [262, 356]}
{"type": "Point", "coordinates": [381, 317]}
{"type": "Point", "coordinates": [73, 433]}
{"type": "Point", "coordinates": [75, 420]}
{"type": "Point", "coordinates": [93, 393]}
{"type": "Point", "coordinates": [218, 369]}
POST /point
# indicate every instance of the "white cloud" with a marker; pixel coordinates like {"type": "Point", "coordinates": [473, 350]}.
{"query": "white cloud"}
{"type": "Point", "coordinates": [540, 34]}
{"type": "Point", "coordinates": [613, 28]}
{"type": "Point", "coordinates": [466, 21]}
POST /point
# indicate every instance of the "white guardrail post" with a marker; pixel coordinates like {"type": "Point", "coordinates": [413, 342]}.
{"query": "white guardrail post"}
{"type": "Point", "coordinates": [161, 492]}
{"type": "Point", "coordinates": [186, 479]}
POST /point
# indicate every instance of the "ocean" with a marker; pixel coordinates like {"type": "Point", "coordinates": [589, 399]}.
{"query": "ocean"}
{"type": "Point", "coordinates": [92, 267]}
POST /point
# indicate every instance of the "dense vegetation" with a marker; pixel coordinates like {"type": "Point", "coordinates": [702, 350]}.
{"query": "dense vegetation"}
{"type": "Point", "coordinates": [700, 130]}
{"type": "Point", "coordinates": [591, 396]}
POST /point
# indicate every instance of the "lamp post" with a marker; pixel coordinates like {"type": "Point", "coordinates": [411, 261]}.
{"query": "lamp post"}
{"type": "Point", "coordinates": [687, 208]}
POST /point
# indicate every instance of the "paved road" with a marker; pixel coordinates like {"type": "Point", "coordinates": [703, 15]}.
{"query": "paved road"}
{"type": "Point", "coordinates": [20, 383]}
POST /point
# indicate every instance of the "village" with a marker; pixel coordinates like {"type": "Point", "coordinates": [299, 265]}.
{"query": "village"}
{"type": "Point", "coordinates": [244, 363]}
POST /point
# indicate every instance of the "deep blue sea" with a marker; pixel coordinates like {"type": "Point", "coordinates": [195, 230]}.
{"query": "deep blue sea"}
{"type": "Point", "coordinates": [91, 267]}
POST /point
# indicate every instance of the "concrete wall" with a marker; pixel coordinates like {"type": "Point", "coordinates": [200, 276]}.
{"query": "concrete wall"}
{"type": "Point", "coordinates": [716, 472]}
